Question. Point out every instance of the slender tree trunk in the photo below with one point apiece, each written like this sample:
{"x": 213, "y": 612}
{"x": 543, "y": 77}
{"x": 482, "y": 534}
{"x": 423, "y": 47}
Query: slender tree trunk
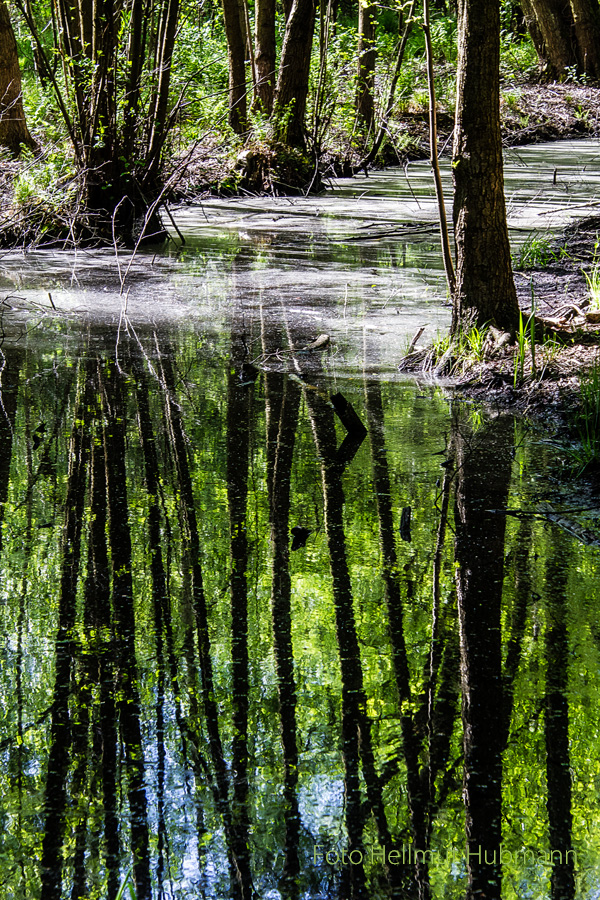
{"x": 433, "y": 151}
{"x": 534, "y": 30}
{"x": 97, "y": 597}
{"x": 56, "y": 800}
{"x": 367, "y": 54}
{"x": 9, "y": 388}
{"x": 265, "y": 53}
{"x": 13, "y": 127}
{"x": 416, "y": 787}
{"x": 356, "y": 722}
{"x": 284, "y": 395}
{"x": 523, "y": 598}
{"x": 191, "y": 537}
{"x": 239, "y": 406}
{"x": 160, "y": 106}
{"x": 389, "y": 106}
{"x": 485, "y": 290}
{"x": 349, "y": 653}
{"x": 236, "y": 49}
{"x": 124, "y": 623}
{"x": 292, "y": 81}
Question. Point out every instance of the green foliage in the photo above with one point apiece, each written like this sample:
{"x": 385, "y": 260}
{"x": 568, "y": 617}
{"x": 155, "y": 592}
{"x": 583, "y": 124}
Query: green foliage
{"x": 525, "y": 340}
{"x": 416, "y": 431}
{"x": 199, "y": 78}
{"x": 536, "y": 251}
{"x": 475, "y": 338}
{"x": 458, "y": 352}
{"x": 127, "y": 881}
{"x": 200, "y": 74}
{"x": 587, "y": 454}
{"x": 518, "y": 56}
{"x": 573, "y": 76}
{"x": 592, "y": 277}
{"x": 49, "y": 181}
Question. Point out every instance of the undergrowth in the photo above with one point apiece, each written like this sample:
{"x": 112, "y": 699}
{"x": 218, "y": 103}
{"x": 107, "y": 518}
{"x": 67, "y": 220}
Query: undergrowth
{"x": 586, "y": 454}
{"x": 536, "y": 252}
{"x": 593, "y": 277}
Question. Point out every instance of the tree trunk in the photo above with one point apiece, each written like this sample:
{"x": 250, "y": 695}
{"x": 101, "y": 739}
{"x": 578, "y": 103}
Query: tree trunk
{"x": 236, "y": 49}
{"x": 483, "y": 464}
{"x": 555, "y": 24}
{"x": 533, "y": 28}
{"x": 239, "y": 414}
{"x": 292, "y": 82}
{"x": 586, "y": 15}
{"x": 365, "y": 106}
{"x": 286, "y": 396}
{"x": 13, "y": 127}
{"x": 556, "y": 708}
{"x": 485, "y": 290}
{"x": 265, "y": 53}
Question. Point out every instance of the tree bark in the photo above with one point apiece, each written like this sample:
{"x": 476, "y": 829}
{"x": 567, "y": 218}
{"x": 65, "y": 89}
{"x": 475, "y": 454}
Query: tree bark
{"x": 292, "y": 81}
{"x": 586, "y": 16}
{"x": 236, "y": 50}
{"x": 239, "y": 413}
{"x": 365, "y": 105}
{"x": 485, "y": 290}
{"x": 533, "y": 28}
{"x": 287, "y": 401}
{"x": 555, "y": 24}
{"x": 13, "y": 127}
{"x": 265, "y": 53}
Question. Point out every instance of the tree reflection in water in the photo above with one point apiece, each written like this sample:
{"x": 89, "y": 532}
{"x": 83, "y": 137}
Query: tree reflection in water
{"x": 186, "y": 699}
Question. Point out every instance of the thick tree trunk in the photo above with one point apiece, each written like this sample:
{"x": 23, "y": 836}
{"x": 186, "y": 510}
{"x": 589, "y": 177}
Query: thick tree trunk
{"x": 265, "y": 53}
{"x": 586, "y": 15}
{"x": 236, "y": 49}
{"x": 365, "y": 105}
{"x": 292, "y": 81}
{"x": 485, "y": 290}
{"x": 533, "y": 28}
{"x": 13, "y": 127}
{"x": 555, "y": 24}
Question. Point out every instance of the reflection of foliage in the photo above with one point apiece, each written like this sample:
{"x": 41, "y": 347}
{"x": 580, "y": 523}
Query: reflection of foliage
{"x": 169, "y": 677}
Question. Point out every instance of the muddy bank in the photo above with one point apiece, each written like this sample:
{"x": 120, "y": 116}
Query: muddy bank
{"x": 547, "y": 387}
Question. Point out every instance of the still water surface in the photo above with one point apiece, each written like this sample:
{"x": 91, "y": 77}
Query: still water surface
{"x": 258, "y": 642}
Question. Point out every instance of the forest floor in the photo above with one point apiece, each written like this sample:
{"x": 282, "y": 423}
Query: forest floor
{"x": 531, "y": 113}
{"x": 567, "y": 336}
{"x": 567, "y": 342}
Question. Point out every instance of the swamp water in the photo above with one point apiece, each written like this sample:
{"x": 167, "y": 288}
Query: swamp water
{"x": 233, "y": 663}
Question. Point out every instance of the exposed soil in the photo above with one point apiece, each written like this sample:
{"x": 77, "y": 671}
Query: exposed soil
{"x": 532, "y": 113}
{"x": 567, "y": 337}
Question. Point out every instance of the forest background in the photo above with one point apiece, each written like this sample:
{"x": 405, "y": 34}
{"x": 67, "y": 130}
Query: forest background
{"x": 150, "y": 100}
